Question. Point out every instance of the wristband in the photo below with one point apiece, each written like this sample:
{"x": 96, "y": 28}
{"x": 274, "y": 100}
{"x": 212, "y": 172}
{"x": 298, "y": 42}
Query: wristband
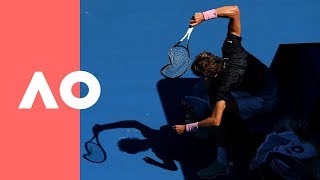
{"x": 192, "y": 127}
{"x": 210, "y": 14}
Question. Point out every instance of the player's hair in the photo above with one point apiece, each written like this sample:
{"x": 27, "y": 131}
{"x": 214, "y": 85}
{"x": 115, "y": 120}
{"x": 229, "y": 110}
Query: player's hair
{"x": 207, "y": 65}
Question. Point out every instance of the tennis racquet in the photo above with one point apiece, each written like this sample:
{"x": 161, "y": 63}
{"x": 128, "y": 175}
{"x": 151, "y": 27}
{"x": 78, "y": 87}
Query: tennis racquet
{"x": 95, "y": 152}
{"x": 179, "y": 57}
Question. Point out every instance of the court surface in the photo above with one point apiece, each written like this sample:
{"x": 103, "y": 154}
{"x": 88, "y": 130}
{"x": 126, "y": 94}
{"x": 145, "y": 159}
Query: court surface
{"x": 125, "y": 44}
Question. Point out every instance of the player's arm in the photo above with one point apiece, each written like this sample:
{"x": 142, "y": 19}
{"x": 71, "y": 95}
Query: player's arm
{"x": 213, "y": 120}
{"x": 145, "y": 130}
{"x": 216, "y": 115}
{"x": 231, "y": 12}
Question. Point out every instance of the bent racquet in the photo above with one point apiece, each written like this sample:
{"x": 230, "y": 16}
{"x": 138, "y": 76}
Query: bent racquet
{"x": 95, "y": 152}
{"x": 179, "y": 57}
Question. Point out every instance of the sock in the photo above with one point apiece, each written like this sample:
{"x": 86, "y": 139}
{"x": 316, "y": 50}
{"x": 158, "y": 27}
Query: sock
{"x": 222, "y": 156}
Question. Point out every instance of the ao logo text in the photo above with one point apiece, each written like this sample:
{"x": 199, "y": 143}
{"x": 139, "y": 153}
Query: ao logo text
{"x": 39, "y": 84}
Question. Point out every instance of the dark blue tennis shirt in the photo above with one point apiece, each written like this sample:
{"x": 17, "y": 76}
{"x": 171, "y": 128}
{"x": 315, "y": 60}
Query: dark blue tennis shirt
{"x": 242, "y": 71}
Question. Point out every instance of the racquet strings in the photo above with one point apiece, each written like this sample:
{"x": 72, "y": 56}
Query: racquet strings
{"x": 179, "y": 59}
{"x": 95, "y": 152}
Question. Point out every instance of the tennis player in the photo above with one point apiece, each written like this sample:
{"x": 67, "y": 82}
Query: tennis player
{"x": 237, "y": 75}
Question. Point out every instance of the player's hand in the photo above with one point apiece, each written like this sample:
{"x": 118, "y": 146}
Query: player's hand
{"x": 179, "y": 128}
{"x": 196, "y": 19}
{"x": 97, "y": 128}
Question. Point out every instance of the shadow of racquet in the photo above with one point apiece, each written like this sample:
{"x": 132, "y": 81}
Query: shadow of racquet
{"x": 95, "y": 152}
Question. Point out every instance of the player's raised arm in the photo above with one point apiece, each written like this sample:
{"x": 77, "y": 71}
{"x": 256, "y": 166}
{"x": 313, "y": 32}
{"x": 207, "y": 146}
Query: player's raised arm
{"x": 231, "y": 12}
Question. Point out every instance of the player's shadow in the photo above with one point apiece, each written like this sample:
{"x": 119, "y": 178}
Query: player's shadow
{"x": 167, "y": 146}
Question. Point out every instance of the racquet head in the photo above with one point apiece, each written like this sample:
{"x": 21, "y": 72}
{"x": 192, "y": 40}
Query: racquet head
{"x": 95, "y": 152}
{"x": 179, "y": 57}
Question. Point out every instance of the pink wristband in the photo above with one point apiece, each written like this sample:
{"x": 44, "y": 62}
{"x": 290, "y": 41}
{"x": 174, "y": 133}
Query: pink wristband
{"x": 210, "y": 14}
{"x": 193, "y": 127}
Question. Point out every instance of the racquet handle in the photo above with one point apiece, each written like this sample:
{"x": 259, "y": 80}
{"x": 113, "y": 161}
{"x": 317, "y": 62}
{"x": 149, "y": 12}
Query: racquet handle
{"x": 188, "y": 33}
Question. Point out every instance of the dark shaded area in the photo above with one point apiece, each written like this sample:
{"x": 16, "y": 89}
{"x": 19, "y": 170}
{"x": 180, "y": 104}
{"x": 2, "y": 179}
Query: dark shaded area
{"x": 297, "y": 70}
{"x": 297, "y": 67}
{"x": 171, "y": 92}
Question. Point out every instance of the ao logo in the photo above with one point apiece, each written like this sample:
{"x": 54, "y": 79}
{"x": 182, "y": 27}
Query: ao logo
{"x": 39, "y": 84}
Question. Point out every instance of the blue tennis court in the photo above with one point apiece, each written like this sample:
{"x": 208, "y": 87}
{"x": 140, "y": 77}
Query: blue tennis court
{"x": 124, "y": 44}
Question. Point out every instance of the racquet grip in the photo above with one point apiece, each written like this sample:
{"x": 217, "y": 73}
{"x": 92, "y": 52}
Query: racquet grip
{"x": 192, "y": 18}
